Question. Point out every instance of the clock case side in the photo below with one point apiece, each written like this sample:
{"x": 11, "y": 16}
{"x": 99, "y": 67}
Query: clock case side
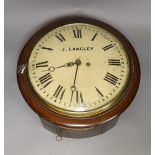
{"x": 78, "y": 133}
{"x": 99, "y": 122}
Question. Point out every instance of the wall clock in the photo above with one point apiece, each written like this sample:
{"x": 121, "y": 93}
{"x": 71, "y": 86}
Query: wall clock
{"x": 78, "y": 74}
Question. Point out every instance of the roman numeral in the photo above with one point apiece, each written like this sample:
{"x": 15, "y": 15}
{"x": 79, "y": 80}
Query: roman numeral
{"x": 98, "y": 91}
{"x": 77, "y": 33}
{"x": 107, "y": 47}
{"x": 79, "y": 97}
{"x": 47, "y": 48}
{"x": 111, "y": 78}
{"x": 94, "y": 37}
{"x": 115, "y": 62}
{"x": 42, "y": 64}
{"x": 60, "y": 37}
{"x": 46, "y": 79}
{"x": 59, "y": 92}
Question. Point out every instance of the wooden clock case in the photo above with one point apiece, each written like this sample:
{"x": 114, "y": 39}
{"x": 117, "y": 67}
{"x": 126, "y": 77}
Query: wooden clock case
{"x": 86, "y": 126}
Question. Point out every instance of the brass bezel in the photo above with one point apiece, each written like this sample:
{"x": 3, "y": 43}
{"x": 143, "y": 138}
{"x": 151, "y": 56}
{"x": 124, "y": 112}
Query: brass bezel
{"x": 87, "y": 113}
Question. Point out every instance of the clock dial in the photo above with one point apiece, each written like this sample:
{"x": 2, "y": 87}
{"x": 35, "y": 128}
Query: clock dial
{"x": 78, "y": 69}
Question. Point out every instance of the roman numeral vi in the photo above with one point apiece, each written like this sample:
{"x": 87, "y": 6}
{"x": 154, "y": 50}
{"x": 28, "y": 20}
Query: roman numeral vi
{"x": 79, "y": 97}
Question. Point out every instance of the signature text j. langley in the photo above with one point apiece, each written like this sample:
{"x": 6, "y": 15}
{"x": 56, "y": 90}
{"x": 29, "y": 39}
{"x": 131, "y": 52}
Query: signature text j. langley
{"x": 78, "y": 49}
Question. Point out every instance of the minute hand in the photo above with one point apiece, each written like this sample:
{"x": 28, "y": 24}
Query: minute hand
{"x": 77, "y": 66}
{"x": 73, "y": 87}
{"x": 78, "y": 63}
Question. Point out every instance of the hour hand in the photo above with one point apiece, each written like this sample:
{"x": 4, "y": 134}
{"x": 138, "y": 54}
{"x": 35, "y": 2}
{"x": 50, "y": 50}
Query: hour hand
{"x": 52, "y": 68}
{"x": 69, "y": 64}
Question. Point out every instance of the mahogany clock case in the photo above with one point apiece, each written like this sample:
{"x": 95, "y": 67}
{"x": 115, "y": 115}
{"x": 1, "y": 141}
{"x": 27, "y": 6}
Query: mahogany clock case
{"x": 66, "y": 121}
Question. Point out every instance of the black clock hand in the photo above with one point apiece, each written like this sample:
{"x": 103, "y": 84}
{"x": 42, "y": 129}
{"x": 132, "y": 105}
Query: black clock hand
{"x": 73, "y": 88}
{"x": 52, "y": 68}
{"x": 77, "y": 66}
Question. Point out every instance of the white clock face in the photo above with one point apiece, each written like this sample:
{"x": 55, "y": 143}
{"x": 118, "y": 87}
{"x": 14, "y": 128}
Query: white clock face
{"x": 78, "y": 69}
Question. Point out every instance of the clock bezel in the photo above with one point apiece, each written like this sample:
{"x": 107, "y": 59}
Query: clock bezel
{"x": 68, "y": 121}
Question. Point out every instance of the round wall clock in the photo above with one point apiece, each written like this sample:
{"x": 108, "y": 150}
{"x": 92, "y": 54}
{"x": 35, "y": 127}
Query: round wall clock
{"x": 78, "y": 74}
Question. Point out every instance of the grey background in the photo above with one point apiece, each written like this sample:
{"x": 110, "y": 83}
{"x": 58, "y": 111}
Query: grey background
{"x": 24, "y": 134}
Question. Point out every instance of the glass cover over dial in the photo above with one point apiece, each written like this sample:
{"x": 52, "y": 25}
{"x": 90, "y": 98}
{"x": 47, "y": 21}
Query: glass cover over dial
{"x": 78, "y": 70}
